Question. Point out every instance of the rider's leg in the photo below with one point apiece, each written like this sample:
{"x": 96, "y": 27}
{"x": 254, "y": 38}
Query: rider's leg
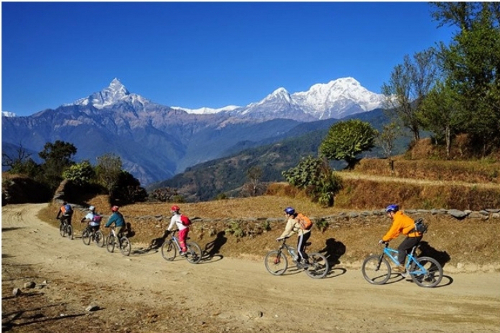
{"x": 182, "y": 239}
{"x": 301, "y": 244}
{"x": 405, "y": 247}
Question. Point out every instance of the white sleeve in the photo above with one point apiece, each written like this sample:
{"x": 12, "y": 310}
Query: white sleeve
{"x": 172, "y": 222}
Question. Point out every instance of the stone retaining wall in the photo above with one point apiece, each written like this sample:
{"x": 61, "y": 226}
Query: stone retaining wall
{"x": 484, "y": 214}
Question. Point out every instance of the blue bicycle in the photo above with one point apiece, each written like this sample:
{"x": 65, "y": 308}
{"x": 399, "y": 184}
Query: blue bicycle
{"x": 424, "y": 271}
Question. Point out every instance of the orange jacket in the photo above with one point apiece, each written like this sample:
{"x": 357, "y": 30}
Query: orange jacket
{"x": 401, "y": 224}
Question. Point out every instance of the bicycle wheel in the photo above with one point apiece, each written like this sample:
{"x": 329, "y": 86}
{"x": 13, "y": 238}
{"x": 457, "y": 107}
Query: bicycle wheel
{"x": 62, "y": 229}
{"x": 318, "y": 266}
{"x": 427, "y": 272}
{"x": 193, "y": 254}
{"x": 276, "y": 262}
{"x": 69, "y": 231}
{"x": 99, "y": 238}
{"x": 168, "y": 250}
{"x": 86, "y": 237}
{"x": 125, "y": 246}
{"x": 110, "y": 243}
{"x": 376, "y": 269}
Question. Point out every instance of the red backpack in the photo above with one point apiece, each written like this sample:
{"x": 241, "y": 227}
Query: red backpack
{"x": 185, "y": 220}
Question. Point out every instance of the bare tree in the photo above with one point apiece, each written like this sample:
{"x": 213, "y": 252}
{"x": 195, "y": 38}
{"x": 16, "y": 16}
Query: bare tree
{"x": 408, "y": 86}
{"x": 13, "y": 162}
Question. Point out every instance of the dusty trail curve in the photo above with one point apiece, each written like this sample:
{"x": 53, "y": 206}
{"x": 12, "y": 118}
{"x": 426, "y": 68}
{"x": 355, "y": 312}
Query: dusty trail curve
{"x": 144, "y": 293}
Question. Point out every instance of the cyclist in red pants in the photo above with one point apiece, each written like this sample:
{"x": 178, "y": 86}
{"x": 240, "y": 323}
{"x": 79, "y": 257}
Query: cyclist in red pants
{"x": 183, "y": 229}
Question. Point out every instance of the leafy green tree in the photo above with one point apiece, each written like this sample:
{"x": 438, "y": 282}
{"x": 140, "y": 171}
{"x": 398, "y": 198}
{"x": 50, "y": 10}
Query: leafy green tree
{"x": 127, "y": 189}
{"x": 80, "y": 174}
{"x": 108, "y": 170}
{"x": 471, "y": 64}
{"x": 317, "y": 178}
{"x": 346, "y": 139}
{"x": 410, "y": 82}
{"x": 57, "y": 157}
{"x": 305, "y": 173}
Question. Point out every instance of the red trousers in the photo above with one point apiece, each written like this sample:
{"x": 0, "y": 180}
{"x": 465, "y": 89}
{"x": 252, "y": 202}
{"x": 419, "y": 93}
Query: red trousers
{"x": 182, "y": 238}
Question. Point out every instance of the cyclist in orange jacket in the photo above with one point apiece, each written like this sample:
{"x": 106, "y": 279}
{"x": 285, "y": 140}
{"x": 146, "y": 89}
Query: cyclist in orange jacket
{"x": 401, "y": 224}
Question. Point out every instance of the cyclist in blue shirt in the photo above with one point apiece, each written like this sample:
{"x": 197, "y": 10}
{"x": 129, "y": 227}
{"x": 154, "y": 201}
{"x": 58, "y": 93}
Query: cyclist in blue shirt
{"x": 118, "y": 220}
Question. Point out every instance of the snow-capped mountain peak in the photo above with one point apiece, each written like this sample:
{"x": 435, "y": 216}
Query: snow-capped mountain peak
{"x": 8, "y": 114}
{"x": 114, "y": 93}
{"x": 337, "y": 98}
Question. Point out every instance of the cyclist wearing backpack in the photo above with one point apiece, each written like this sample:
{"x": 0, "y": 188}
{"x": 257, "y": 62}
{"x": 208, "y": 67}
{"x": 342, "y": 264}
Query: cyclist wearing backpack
{"x": 118, "y": 220}
{"x": 295, "y": 224}
{"x": 183, "y": 227}
{"x": 93, "y": 219}
{"x": 404, "y": 224}
{"x": 65, "y": 212}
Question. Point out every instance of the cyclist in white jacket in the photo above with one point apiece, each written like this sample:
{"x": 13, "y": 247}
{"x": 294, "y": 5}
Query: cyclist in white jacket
{"x": 183, "y": 229}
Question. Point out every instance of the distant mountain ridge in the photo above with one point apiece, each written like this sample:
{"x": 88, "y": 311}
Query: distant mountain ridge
{"x": 336, "y": 99}
{"x": 156, "y": 142}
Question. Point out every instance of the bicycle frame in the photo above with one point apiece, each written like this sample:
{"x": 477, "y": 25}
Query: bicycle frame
{"x": 276, "y": 261}
{"x": 192, "y": 255}
{"x": 392, "y": 254}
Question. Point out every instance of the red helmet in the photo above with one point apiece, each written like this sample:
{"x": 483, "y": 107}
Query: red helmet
{"x": 175, "y": 208}
{"x": 114, "y": 208}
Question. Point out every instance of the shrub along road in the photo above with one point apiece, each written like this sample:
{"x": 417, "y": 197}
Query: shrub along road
{"x": 143, "y": 293}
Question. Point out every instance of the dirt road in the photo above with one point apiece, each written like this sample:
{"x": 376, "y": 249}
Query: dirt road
{"x": 144, "y": 293}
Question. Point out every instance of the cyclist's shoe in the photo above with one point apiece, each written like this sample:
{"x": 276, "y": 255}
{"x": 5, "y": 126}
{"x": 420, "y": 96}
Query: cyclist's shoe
{"x": 399, "y": 269}
{"x": 183, "y": 254}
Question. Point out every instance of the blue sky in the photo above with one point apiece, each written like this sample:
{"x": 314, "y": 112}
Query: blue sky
{"x": 202, "y": 54}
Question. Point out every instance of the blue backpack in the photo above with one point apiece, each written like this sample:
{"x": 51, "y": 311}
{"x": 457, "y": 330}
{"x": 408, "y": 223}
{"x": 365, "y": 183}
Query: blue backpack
{"x": 68, "y": 210}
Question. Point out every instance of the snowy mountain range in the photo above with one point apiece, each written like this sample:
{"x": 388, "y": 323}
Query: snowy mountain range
{"x": 156, "y": 142}
{"x": 336, "y": 99}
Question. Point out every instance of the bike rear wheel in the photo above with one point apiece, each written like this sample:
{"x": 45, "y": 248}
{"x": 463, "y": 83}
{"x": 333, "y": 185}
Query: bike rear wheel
{"x": 168, "y": 250}
{"x": 99, "y": 238}
{"x": 376, "y": 269}
{"x": 69, "y": 231}
{"x": 318, "y": 266}
{"x": 86, "y": 237}
{"x": 193, "y": 254}
{"x": 428, "y": 274}
{"x": 276, "y": 262}
{"x": 125, "y": 247}
{"x": 110, "y": 243}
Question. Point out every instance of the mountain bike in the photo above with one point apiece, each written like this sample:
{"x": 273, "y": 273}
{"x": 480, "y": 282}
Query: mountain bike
{"x": 122, "y": 241}
{"x": 65, "y": 229}
{"x": 424, "y": 271}
{"x": 171, "y": 246}
{"x": 276, "y": 262}
{"x": 89, "y": 234}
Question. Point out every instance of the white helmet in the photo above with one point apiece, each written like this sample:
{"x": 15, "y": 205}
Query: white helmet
{"x": 92, "y": 208}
